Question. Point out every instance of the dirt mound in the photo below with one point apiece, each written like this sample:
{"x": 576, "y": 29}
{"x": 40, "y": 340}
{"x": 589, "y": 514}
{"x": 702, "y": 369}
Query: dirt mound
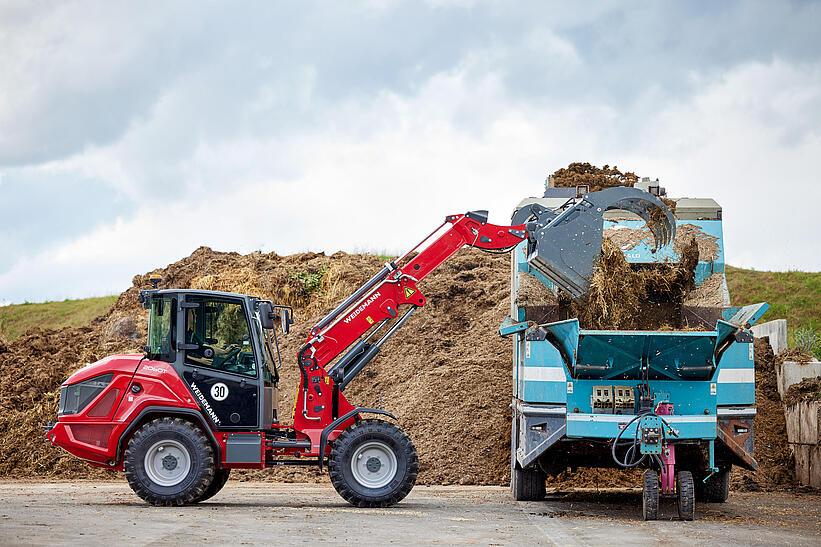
{"x": 447, "y": 378}
{"x": 769, "y": 429}
{"x": 709, "y": 294}
{"x": 807, "y": 390}
{"x": 795, "y": 355}
{"x": 628, "y": 239}
{"x": 597, "y": 178}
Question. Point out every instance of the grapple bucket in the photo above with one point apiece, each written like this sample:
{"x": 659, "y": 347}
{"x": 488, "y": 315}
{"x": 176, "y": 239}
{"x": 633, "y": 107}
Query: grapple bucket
{"x": 564, "y": 244}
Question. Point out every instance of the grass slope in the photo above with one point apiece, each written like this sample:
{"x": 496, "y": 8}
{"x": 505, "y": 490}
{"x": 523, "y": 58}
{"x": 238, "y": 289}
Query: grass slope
{"x": 19, "y": 318}
{"x": 794, "y": 296}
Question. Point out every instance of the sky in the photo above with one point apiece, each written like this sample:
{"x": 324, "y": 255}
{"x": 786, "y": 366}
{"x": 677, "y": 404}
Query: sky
{"x": 131, "y": 133}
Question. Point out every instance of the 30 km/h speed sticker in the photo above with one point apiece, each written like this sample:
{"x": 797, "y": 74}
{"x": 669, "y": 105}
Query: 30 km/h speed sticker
{"x": 219, "y": 391}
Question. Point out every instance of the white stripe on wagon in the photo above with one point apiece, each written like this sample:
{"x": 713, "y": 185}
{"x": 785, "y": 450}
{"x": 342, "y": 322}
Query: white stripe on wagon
{"x": 543, "y": 374}
{"x": 736, "y": 412}
{"x": 736, "y": 376}
{"x": 619, "y": 418}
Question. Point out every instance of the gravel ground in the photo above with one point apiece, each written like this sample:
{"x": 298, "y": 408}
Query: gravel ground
{"x": 96, "y": 513}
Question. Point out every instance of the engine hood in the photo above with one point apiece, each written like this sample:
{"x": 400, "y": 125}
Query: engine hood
{"x": 125, "y": 363}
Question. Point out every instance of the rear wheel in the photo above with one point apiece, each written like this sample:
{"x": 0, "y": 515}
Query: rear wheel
{"x": 373, "y": 464}
{"x": 169, "y": 461}
{"x": 527, "y": 484}
{"x": 650, "y": 495}
{"x": 716, "y": 489}
{"x": 220, "y": 478}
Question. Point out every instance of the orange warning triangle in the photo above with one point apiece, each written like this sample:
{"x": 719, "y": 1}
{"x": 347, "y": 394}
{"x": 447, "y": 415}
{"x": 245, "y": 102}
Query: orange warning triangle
{"x": 408, "y": 292}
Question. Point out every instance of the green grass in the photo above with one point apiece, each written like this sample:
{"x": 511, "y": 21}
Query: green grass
{"x": 16, "y": 319}
{"x": 794, "y": 296}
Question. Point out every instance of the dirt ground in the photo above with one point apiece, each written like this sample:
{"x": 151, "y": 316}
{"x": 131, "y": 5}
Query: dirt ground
{"x": 105, "y": 513}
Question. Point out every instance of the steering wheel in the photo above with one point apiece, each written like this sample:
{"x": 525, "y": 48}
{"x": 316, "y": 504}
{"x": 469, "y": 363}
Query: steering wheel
{"x": 233, "y": 352}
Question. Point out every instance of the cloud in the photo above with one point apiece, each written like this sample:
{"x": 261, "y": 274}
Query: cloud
{"x": 360, "y": 127}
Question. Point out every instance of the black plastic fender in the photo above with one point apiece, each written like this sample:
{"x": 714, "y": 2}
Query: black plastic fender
{"x": 323, "y": 438}
{"x": 169, "y": 411}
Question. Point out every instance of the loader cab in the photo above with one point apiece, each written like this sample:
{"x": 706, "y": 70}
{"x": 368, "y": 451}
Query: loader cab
{"x": 225, "y": 347}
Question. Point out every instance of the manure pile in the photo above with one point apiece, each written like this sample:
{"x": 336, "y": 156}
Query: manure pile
{"x": 446, "y": 375}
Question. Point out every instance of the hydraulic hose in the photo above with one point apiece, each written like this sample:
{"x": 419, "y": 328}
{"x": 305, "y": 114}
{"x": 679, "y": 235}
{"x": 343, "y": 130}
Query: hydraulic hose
{"x": 629, "y": 460}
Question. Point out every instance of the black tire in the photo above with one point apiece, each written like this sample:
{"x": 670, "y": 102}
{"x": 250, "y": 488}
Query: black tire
{"x": 527, "y": 484}
{"x": 190, "y": 438}
{"x": 716, "y": 489}
{"x": 686, "y": 495}
{"x": 220, "y": 478}
{"x": 650, "y": 496}
{"x": 381, "y": 440}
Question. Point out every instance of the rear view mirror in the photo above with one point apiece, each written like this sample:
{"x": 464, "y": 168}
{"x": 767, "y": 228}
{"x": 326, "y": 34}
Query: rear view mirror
{"x": 285, "y": 320}
{"x": 266, "y": 315}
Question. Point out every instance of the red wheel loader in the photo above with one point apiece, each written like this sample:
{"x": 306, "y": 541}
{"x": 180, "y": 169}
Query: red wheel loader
{"x": 202, "y": 400}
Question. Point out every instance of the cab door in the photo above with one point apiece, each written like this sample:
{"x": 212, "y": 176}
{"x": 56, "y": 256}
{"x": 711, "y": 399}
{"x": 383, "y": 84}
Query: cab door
{"x": 220, "y": 363}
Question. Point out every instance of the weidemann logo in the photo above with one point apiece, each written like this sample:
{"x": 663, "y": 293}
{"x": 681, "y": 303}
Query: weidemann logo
{"x": 205, "y": 405}
{"x": 362, "y": 307}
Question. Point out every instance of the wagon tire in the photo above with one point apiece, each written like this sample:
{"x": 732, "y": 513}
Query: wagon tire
{"x": 650, "y": 495}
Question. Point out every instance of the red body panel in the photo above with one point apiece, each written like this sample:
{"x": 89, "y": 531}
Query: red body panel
{"x": 93, "y": 435}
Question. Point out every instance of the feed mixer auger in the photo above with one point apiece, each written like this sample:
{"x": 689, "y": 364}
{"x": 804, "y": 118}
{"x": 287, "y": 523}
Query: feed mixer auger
{"x": 679, "y": 404}
{"x": 202, "y": 400}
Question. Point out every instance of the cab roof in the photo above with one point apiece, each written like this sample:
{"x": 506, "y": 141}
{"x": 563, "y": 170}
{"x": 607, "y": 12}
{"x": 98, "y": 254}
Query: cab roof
{"x": 198, "y": 292}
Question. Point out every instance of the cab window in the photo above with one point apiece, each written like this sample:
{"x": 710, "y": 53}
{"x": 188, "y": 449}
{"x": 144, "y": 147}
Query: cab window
{"x": 220, "y": 331}
{"x": 159, "y": 328}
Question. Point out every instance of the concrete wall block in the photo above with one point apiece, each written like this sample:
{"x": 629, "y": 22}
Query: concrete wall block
{"x": 808, "y": 465}
{"x": 804, "y": 423}
{"x": 804, "y": 436}
{"x": 776, "y": 330}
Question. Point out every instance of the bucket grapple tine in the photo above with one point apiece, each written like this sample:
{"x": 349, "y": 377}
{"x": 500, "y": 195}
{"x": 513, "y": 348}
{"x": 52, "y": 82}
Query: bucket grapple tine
{"x": 651, "y": 209}
{"x": 564, "y": 246}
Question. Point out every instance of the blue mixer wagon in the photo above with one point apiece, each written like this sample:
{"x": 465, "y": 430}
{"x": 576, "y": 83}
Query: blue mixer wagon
{"x": 680, "y": 403}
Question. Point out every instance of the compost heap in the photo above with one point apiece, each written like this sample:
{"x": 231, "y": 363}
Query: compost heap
{"x": 446, "y": 376}
{"x": 769, "y": 429}
{"x": 597, "y": 178}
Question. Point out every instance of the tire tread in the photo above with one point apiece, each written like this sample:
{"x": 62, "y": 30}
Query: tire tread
{"x": 192, "y": 494}
{"x": 345, "y": 443}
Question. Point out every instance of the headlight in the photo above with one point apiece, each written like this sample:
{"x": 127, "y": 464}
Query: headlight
{"x": 74, "y": 398}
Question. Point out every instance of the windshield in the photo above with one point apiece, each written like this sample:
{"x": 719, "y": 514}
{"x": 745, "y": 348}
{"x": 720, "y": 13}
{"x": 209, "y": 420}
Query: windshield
{"x": 159, "y": 328}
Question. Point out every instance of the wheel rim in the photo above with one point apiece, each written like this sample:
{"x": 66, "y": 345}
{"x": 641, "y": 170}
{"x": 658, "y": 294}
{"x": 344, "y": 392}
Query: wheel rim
{"x": 167, "y": 463}
{"x": 374, "y": 464}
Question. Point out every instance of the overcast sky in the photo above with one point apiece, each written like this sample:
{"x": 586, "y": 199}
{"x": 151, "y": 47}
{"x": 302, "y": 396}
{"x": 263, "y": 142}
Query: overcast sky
{"x": 131, "y": 133}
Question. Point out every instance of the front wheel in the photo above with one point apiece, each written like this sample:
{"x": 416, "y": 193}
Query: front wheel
{"x": 650, "y": 495}
{"x": 686, "y": 495}
{"x": 373, "y": 464}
